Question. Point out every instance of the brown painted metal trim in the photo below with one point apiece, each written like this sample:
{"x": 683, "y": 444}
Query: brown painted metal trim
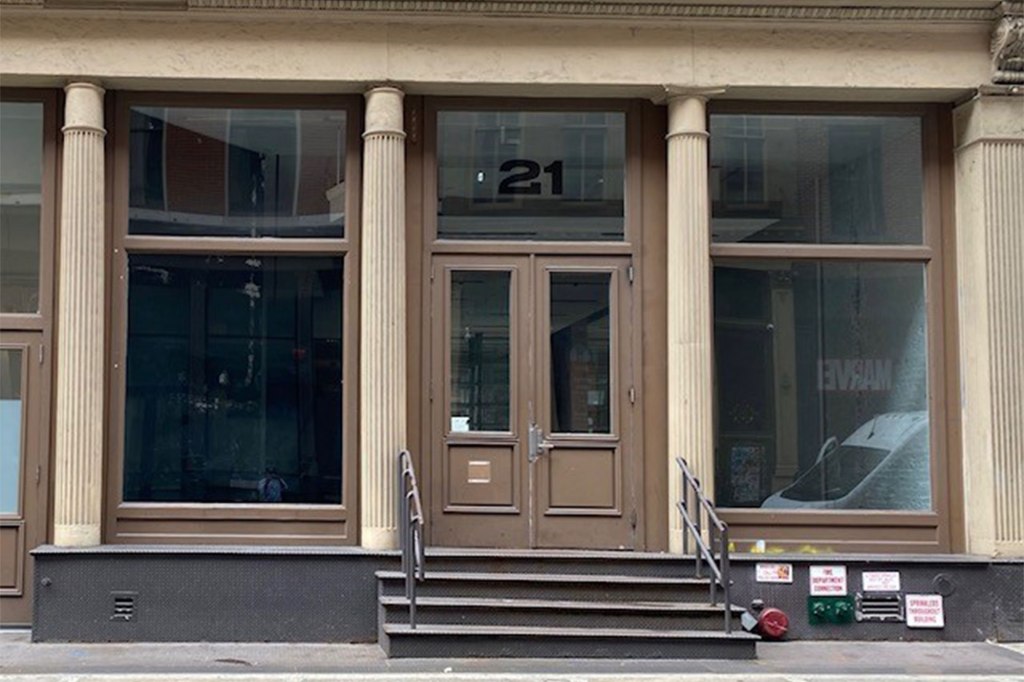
{"x": 822, "y": 252}
{"x": 230, "y": 245}
{"x": 653, "y": 327}
{"x": 946, "y": 164}
{"x": 232, "y": 523}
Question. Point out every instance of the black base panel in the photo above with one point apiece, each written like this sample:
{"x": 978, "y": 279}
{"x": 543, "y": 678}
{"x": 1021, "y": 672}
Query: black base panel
{"x": 253, "y": 594}
{"x": 240, "y": 597}
{"x": 983, "y": 600}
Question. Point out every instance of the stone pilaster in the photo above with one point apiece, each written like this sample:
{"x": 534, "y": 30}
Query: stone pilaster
{"x": 990, "y": 288}
{"x": 382, "y": 326}
{"x": 689, "y": 302}
{"x": 78, "y": 475}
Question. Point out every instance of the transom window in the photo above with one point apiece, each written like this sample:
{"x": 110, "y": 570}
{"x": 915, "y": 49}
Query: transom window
{"x": 531, "y": 175}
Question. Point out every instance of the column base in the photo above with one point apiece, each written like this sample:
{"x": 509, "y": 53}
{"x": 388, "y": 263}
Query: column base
{"x": 378, "y": 538}
{"x": 76, "y": 535}
{"x": 675, "y": 540}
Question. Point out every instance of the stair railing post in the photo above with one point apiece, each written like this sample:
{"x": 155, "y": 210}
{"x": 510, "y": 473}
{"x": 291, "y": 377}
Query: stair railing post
{"x": 685, "y": 488}
{"x": 727, "y": 600}
{"x": 696, "y": 519}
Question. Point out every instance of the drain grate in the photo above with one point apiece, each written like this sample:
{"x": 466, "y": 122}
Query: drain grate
{"x": 124, "y": 606}
{"x": 879, "y": 607}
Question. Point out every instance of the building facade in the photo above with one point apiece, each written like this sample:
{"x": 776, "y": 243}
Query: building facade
{"x": 253, "y": 249}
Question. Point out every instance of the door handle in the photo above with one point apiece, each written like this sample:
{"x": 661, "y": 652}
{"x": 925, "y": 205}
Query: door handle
{"x": 537, "y": 445}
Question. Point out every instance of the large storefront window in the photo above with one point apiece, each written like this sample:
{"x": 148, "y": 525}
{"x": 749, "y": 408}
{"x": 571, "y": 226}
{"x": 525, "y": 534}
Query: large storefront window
{"x": 234, "y": 379}
{"x": 821, "y": 354}
{"x": 238, "y": 268}
{"x": 528, "y": 175}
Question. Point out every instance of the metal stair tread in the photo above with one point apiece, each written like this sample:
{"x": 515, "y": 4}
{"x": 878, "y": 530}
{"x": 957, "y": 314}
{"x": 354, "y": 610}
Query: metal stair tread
{"x": 392, "y": 629}
{"x": 549, "y": 578}
{"x": 561, "y": 604}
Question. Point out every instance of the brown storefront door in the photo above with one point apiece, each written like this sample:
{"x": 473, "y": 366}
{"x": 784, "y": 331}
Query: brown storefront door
{"x": 532, "y": 403}
{"x": 22, "y": 469}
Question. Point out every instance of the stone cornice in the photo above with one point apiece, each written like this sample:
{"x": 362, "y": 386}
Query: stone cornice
{"x": 968, "y": 11}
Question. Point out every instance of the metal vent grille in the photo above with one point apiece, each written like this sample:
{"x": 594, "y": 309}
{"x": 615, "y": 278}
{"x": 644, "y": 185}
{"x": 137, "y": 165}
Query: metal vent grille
{"x": 124, "y": 606}
{"x": 879, "y": 607}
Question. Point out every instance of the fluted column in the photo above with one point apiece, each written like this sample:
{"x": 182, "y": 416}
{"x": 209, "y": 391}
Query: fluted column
{"x": 990, "y": 288}
{"x": 382, "y": 327}
{"x": 78, "y": 475}
{"x": 689, "y": 302}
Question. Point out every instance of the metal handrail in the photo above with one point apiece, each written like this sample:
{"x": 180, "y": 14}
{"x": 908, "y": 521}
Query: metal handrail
{"x": 410, "y": 531}
{"x": 704, "y": 551}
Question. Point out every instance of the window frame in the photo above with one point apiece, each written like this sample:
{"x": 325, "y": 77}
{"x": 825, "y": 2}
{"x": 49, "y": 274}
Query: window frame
{"x": 859, "y": 530}
{"x": 219, "y": 522}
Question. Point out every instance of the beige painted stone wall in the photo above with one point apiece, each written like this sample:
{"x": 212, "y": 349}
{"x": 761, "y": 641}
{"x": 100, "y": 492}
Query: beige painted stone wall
{"x": 911, "y": 61}
{"x": 990, "y": 285}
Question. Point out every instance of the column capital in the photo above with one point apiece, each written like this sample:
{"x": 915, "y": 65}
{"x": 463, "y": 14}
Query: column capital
{"x": 991, "y": 116}
{"x": 670, "y": 92}
{"x": 384, "y": 114}
{"x": 83, "y": 107}
{"x": 687, "y": 116}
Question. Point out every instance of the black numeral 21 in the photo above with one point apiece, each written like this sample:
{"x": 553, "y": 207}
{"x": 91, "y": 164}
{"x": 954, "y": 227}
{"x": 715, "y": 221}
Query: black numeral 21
{"x": 525, "y": 181}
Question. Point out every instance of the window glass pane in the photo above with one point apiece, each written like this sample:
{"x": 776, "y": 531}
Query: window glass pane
{"x": 520, "y": 175}
{"x": 480, "y": 351}
{"x": 816, "y": 179}
{"x": 580, "y": 352}
{"x": 234, "y": 389}
{"x": 822, "y": 385}
{"x": 11, "y": 408}
{"x": 237, "y": 172}
{"x": 21, "y": 186}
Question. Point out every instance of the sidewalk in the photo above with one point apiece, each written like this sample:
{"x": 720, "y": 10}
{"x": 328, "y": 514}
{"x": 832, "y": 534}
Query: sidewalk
{"x": 247, "y": 662}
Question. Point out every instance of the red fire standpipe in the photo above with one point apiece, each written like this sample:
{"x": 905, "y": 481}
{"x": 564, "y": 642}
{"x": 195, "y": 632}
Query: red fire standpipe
{"x": 772, "y": 623}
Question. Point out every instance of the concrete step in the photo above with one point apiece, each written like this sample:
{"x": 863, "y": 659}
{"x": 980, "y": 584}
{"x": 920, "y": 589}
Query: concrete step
{"x": 476, "y": 641}
{"x": 565, "y": 586}
{"x": 560, "y": 561}
{"x": 558, "y": 613}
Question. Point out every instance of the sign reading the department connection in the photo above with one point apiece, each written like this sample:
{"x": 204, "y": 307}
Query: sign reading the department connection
{"x": 925, "y": 611}
{"x": 775, "y": 573}
{"x": 828, "y": 581}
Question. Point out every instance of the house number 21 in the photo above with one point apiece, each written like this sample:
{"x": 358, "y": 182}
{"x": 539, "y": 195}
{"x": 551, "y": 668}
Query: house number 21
{"x": 523, "y": 177}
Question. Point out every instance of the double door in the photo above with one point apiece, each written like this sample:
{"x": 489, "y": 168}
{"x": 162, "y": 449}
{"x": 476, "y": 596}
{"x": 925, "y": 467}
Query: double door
{"x": 533, "y": 402}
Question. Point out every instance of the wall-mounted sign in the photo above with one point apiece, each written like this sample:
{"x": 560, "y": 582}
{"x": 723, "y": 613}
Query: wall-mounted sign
{"x": 774, "y": 573}
{"x": 881, "y": 581}
{"x": 925, "y": 611}
{"x": 828, "y": 581}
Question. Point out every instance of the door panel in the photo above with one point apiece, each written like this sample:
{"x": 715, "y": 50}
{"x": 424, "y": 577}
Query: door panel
{"x": 22, "y": 464}
{"x": 480, "y": 311}
{"x": 583, "y": 380}
{"x": 530, "y": 373}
